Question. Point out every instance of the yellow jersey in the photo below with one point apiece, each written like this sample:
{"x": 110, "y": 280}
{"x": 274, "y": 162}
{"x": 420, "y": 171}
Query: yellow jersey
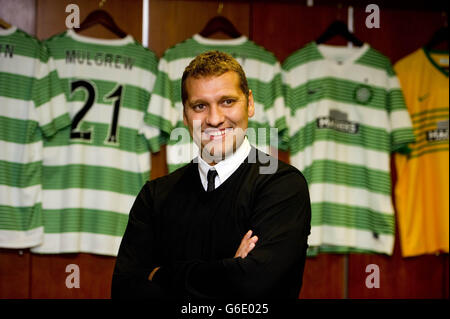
{"x": 422, "y": 189}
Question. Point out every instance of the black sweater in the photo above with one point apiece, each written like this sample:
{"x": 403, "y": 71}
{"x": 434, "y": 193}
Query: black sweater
{"x": 193, "y": 235}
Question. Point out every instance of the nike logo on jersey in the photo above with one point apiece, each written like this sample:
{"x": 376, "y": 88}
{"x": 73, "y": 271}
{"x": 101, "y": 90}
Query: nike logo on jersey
{"x": 313, "y": 90}
{"x": 423, "y": 97}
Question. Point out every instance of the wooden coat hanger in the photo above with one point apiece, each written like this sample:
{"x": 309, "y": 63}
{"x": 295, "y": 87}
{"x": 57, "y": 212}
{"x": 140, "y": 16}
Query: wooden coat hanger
{"x": 104, "y": 18}
{"x": 4, "y": 24}
{"x": 220, "y": 24}
{"x": 338, "y": 27}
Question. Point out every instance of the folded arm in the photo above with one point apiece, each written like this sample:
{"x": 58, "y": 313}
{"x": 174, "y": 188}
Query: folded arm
{"x": 280, "y": 219}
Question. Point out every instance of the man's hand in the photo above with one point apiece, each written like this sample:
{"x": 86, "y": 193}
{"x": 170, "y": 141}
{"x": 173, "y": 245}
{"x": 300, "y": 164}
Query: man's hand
{"x": 247, "y": 244}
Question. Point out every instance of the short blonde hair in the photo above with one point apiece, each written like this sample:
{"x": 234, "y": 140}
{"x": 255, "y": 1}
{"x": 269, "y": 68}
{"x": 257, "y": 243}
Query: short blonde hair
{"x": 212, "y": 63}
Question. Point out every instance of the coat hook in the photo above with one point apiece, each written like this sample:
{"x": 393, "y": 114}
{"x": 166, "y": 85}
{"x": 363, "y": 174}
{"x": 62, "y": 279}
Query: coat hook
{"x": 220, "y": 8}
{"x": 102, "y": 2}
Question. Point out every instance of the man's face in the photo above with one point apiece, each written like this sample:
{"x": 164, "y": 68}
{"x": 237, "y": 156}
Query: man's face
{"x": 216, "y": 112}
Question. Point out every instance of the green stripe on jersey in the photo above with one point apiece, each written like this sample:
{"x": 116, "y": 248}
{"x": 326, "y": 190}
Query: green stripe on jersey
{"x": 309, "y": 53}
{"x": 360, "y": 218}
{"x": 368, "y": 137}
{"x": 128, "y": 139}
{"x": 93, "y": 177}
{"x": 20, "y": 218}
{"x": 20, "y": 175}
{"x": 190, "y": 48}
{"x": 16, "y": 86}
{"x": 19, "y": 131}
{"x": 22, "y": 44}
{"x": 357, "y": 176}
{"x": 335, "y": 89}
{"x": 45, "y": 89}
{"x": 374, "y": 59}
{"x": 84, "y": 220}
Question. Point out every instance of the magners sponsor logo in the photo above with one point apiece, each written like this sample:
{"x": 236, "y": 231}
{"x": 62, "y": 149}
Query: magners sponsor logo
{"x": 438, "y": 134}
{"x": 337, "y": 121}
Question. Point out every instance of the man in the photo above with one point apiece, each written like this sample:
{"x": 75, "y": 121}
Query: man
{"x": 217, "y": 227}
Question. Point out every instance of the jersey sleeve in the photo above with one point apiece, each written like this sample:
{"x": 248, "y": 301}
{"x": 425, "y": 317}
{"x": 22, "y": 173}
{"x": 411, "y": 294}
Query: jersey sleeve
{"x": 149, "y": 129}
{"x": 279, "y": 112}
{"x": 275, "y": 107}
{"x": 161, "y": 112}
{"x": 48, "y": 96}
{"x": 400, "y": 121}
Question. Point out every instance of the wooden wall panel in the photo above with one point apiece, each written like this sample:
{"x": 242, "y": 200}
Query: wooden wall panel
{"x": 285, "y": 27}
{"x": 400, "y": 278}
{"x": 15, "y": 273}
{"x": 48, "y": 276}
{"x": 445, "y": 282}
{"x": 174, "y": 21}
{"x": 324, "y": 277}
{"x": 51, "y": 17}
{"x": 401, "y": 31}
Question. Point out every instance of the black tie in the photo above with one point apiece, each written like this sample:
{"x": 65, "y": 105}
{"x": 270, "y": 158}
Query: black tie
{"x": 211, "y": 177}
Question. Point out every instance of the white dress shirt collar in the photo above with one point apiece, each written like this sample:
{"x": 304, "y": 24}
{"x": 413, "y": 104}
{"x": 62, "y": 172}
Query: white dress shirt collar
{"x": 226, "y": 167}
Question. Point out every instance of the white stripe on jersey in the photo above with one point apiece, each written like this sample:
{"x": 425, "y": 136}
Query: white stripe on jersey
{"x": 79, "y": 242}
{"x": 17, "y": 109}
{"x": 347, "y": 237}
{"x": 96, "y": 156}
{"x": 351, "y": 196}
{"x": 21, "y": 153}
{"x": 87, "y": 198}
{"x": 20, "y": 197}
{"x": 344, "y": 153}
{"x": 400, "y": 119}
{"x": 14, "y": 239}
{"x": 23, "y": 65}
{"x": 162, "y": 107}
{"x": 51, "y": 110}
{"x": 356, "y": 72}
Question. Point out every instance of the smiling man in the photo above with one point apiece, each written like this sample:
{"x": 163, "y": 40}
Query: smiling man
{"x": 217, "y": 227}
{"x": 217, "y": 110}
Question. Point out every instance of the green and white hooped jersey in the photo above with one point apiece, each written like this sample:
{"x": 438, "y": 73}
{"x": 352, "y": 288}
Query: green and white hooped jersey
{"x": 94, "y": 169}
{"x": 263, "y": 73}
{"x": 32, "y": 106}
{"x": 347, "y": 115}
